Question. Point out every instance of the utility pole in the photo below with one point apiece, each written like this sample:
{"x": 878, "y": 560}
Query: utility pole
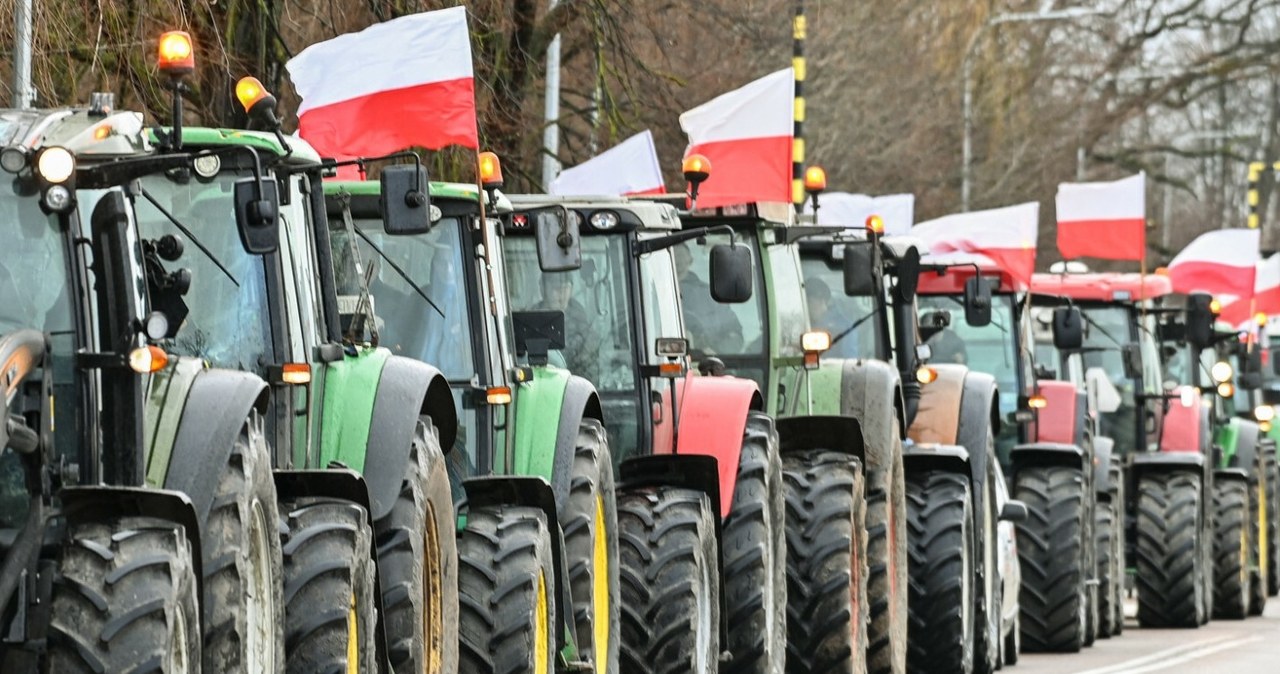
{"x": 799, "y": 29}
{"x": 22, "y": 92}
{"x": 551, "y": 132}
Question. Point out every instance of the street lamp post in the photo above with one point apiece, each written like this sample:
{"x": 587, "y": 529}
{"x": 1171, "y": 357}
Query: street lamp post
{"x": 966, "y": 168}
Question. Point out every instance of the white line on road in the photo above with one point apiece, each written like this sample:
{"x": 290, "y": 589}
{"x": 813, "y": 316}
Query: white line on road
{"x": 1193, "y": 655}
{"x": 1124, "y": 667}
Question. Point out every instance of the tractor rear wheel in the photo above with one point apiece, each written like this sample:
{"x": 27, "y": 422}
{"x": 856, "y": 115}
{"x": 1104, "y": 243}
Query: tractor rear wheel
{"x": 417, "y": 563}
{"x": 506, "y": 592}
{"x": 1272, "y": 562}
{"x": 988, "y": 614}
{"x": 244, "y": 610}
{"x": 589, "y": 518}
{"x": 330, "y": 615}
{"x": 125, "y": 599}
{"x": 940, "y": 521}
{"x": 1119, "y": 546}
{"x": 1108, "y": 580}
{"x": 1258, "y": 539}
{"x": 827, "y": 573}
{"x": 1172, "y": 566}
{"x": 668, "y": 562}
{"x": 1231, "y": 549}
{"x": 1054, "y": 600}
{"x": 887, "y": 560}
{"x": 755, "y": 555}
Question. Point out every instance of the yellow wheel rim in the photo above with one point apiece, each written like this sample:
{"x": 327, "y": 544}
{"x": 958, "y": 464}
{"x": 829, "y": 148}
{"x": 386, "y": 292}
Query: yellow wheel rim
{"x": 353, "y": 638}
{"x": 1244, "y": 554}
{"x": 541, "y": 628}
{"x": 600, "y": 589}
{"x": 1264, "y": 542}
{"x": 433, "y": 601}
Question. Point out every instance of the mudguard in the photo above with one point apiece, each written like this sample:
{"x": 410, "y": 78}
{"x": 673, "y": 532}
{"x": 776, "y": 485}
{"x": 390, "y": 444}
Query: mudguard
{"x": 1053, "y": 453}
{"x": 979, "y": 417}
{"x": 533, "y": 492}
{"x": 1103, "y": 448}
{"x": 580, "y": 402}
{"x": 1246, "y": 454}
{"x": 922, "y": 456}
{"x": 871, "y": 392}
{"x": 1147, "y": 461}
{"x": 94, "y": 504}
{"x": 712, "y": 422}
{"x": 1231, "y": 474}
{"x": 938, "y": 417}
{"x": 406, "y": 389}
{"x": 217, "y": 405}
{"x": 838, "y": 434}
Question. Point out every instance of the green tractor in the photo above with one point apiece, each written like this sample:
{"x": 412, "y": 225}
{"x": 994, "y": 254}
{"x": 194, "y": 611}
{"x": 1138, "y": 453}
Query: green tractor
{"x": 531, "y": 467}
{"x": 133, "y": 482}
{"x": 692, "y": 450}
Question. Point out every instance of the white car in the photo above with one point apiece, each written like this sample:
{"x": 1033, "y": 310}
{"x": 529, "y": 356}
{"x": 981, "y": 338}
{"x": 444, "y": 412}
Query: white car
{"x": 1011, "y": 511}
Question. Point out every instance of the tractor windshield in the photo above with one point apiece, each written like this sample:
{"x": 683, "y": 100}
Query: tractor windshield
{"x": 850, "y": 320}
{"x": 1107, "y": 332}
{"x": 228, "y": 322}
{"x": 734, "y": 333}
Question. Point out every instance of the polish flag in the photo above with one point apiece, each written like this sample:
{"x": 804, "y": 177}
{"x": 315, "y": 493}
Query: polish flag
{"x": 1007, "y": 236}
{"x": 1103, "y": 220}
{"x": 746, "y": 134}
{"x": 628, "y": 168}
{"x": 1266, "y": 294}
{"x": 394, "y": 85}
{"x": 842, "y": 209}
{"x": 1221, "y": 262}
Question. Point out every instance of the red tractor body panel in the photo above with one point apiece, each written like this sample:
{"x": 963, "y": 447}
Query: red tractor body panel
{"x": 1102, "y": 287}
{"x": 1056, "y": 423}
{"x": 1181, "y": 431}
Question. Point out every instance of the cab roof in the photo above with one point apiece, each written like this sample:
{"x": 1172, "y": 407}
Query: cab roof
{"x": 946, "y": 274}
{"x": 1102, "y": 287}
{"x": 633, "y": 214}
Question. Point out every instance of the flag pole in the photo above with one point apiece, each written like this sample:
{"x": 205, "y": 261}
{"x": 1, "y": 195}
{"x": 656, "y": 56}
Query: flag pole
{"x": 799, "y": 29}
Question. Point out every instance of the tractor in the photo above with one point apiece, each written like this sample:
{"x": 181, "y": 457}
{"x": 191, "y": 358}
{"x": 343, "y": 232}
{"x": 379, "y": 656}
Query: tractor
{"x": 531, "y": 466}
{"x": 949, "y": 460}
{"x": 692, "y": 450}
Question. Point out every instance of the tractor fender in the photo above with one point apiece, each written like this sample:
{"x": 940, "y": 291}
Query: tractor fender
{"x": 1152, "y": 461}
{"x": 1103, "y": 450}
{"x": 94, "y": 504}
{"x": 1230, "y": 474}
{"x": 533, "y": 492}
{"x": 979, "y": 419}
{"x": 406, "y": 389}
{"x": 871, "y": 392}
{"x": 920, "y": 457}
{"x": 1185, "y": 429}
{"x": 938, "y": 415}
{"x": 712, "y": 422}
{"x": 833, "y": 433}
{"x": 216, "y": 406}
{"x": 580, "y": 402}
{"x": 1047, "y": 453}
{"x": 1062, "y": 422}
{"x": 1246, "y": 445}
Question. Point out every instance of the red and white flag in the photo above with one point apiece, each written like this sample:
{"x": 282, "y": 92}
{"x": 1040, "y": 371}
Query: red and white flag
{"x": 1007, "y": 236}
{"x": 403, "y": 83}
{"x": 842, "y": 209}
{"x": 1221, "y": 262}
{"x": 746, "y": 134}
{"x": 1265, "y": 298}
{"x": 1103, "y": 220}
{"x": 630, "y": 167}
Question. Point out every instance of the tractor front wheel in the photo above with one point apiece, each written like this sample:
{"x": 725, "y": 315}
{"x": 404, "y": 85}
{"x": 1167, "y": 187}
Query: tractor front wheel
{"x": 940, "y": 521}
{"x": 1172, "y": 566}
{"x": 887, "y": 560}
{"x": 1054, "y": 600}
{"x": 1231, "y": 525}
{"x": 589, "y": 518}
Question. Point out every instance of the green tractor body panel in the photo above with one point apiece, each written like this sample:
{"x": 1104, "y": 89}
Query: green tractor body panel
{"x": 205, "y": 136}
{"x": 166, "y": 399}
{"x": 824, "y": 391}
{"x": 373, "y": 188}
{"x": 350, "y": 387}
{"x": 1227, "y": 436}
{"x": 538, "y": 404}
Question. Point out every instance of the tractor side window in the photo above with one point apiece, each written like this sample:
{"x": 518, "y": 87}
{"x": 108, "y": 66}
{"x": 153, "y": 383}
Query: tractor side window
{"x": 848, "y": 319}
{"x": 660, "y": 299}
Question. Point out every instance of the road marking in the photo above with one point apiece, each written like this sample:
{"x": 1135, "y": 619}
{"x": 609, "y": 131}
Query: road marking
{"x": 1194, "y": 655}
{"x": 1124, "y": 667}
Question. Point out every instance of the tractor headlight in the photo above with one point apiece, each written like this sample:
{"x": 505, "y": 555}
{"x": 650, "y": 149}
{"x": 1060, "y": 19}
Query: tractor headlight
{"x": 1221, "y": 371}
{"x": 55, "y": 164}
{"x": 57, "y": 198}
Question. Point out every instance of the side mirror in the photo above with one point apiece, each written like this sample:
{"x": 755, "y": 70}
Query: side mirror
{"x": 405, "y": 202}
{"x": 731, "y": 272}
{"x": 559, "y": 242}
{"x": 257, "y": 219}
{"x": 1068, "y": 329}
{"x": 1250, "y": 381}
{"x": 1199, "y": 321}
{"x": 977, "y": 302}
{"x": 1106, "y": 396}
{"x": 859, "y": 277}
{"x": 1013, "y": 511}
{"x": 537, "y": 333}
{"x": 908, "y": 273}
{"x": 1131, "y": 356}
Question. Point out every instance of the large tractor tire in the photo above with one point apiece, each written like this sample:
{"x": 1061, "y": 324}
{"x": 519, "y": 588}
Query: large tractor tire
{"x": 1258, "y": 540}
{"x": 827, "y": 610}
{"x": 1054, "y": 600}
{"x": 940, "y": 521}
{"x": 125, "y": 600}
{"x": 1231, "y": 525}
{"x": 1110, "y": 575}
{"x": 1119, "y": 544}
{"x": 506, "y": 592}
{"x": 755, "y": 555}
{"x": 670, "y": 590}
{"x": 887, "y": 561}
{"x": 244, "y": 611}
{"x": 1272, "y": 562}
{"x": 330, "y": 618}
{"x": 590, "y": 521}
{"x": 417, "y": 563}
{"x": 987, "y": 614}
{"x": 1172, "y": 568}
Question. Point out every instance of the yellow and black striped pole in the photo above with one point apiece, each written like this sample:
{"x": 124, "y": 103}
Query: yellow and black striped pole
{"x": 1257, "y": 170}
{"x": 798, "y": 30}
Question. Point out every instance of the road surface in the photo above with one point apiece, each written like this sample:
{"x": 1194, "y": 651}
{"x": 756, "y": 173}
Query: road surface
{"x": 1221, "y": 647}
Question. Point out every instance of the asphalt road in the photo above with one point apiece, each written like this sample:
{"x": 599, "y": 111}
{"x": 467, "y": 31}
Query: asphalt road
{"x": 1221, "y": 647}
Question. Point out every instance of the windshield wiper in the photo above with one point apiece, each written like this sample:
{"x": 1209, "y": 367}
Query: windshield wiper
{"x": 399, "y": 271}
{"x": 1101, "y": 329}
{"x": 855, "y": 325}
{"x": 190, "y": 235}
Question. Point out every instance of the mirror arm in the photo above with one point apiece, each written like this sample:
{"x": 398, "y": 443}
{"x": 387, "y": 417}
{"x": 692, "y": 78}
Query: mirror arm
{"x": 669, "y": 240}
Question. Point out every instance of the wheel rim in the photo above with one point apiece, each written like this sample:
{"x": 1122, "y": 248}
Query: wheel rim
{"x": 600, "y": 589}
{"x": 1244, "y": 561}
{"x": 433, "y": 599}
{"x": 181, "y": 657}
{"x": 261, "y": 613}
{"x": 1264, "y": 540}
{"x": 541, "y": 628}
{"x": 704, "y": 627}
{"x": 353, "y": 638}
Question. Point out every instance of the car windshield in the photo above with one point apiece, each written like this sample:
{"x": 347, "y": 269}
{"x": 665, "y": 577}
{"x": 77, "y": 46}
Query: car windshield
{"x": 228, "y": 322}
{"x": 421, "y": 313}
{"x": 849, "y": 319}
